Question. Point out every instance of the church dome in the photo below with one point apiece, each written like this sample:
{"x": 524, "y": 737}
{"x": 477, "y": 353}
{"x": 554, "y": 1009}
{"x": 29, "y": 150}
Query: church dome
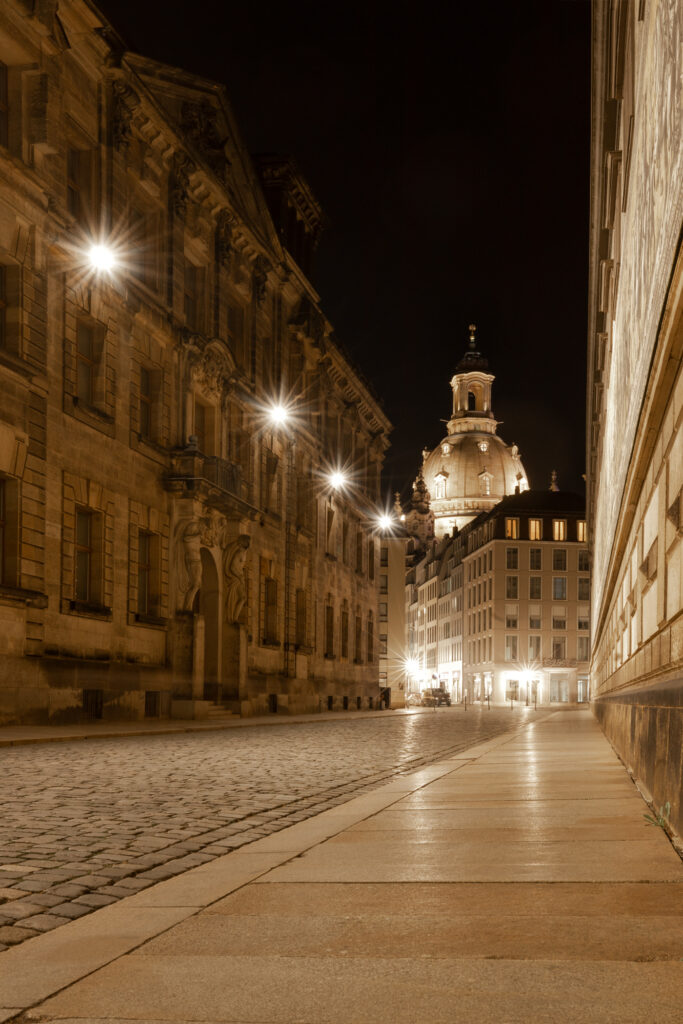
{"x": 472, "y": 468}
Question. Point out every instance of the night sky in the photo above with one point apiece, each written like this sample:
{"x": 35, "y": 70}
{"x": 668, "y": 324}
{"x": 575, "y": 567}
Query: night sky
{"x": 449, "y": 147}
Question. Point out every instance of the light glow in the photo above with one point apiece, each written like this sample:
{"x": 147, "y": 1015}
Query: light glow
{"x": 102, "y": 258}
{"x": 337, "y": 479}
{"x": 278, "y": 414}
{"x": 385, "y": 522}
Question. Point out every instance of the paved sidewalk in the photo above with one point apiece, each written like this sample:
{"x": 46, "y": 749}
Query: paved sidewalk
{"x": 516, "y": 882}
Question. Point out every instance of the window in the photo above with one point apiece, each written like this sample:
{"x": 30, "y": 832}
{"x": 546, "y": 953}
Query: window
{"x": 535, "y": 616}
{"x": 383, "y": 641}
{"x": 511, "y": 616}
{"x": 583, "y": 617}
{"x": 8, "y": 545}
{"x": 86, "y": 362}
{"x": 4, "y": 105}
{"x": 535, "y": 529}
{"x": 559, "y": 648}
{"x": 511, "y": 689}
{"x": 204, "y": 427}
{"x": 79, "y": 185}
{"x": 535, "y": 559}
{"x": 559, "y": 529}
{"x": 145, "y": 412}
{"x": 559, "y": 588}
{"x": 87, "y": 582}
{"x": 383, "y": 610}
{"x": 535, "y": 588}
{"x": 581, "y": 534}
{"x": 512, "y": 558}
{"x": 584, "y": 560}
{"x": 148, "y": 573}
{"x": 583, "y": 648}
{"x": 270, "y": 610}
{"x": 371, "y": 559}
{"x": 345, "y": 632}
{"x": 440, "y": 487}
{"x": 329, "y": 631}
{"x": 512, "y": 586}
{"x": 511, "y": 528}
{"x": 193, "y": 296}
{"x": 384, "y": 556}
{"x": 584, "y": 590}
{"x": 511, "y": 648}
{"x": 300, "y": 621}
{"x": 370, "y": 640}
{"x": 237, "y": 334}
{"x": 383, "y": 584}
{"x": 3, "y": 306}
{"x": 534, "y": 648}
{"x": 559, "y": 559}
{"x": 145, "y": 240}
{"x": 559, "y": 617}
{"x": 359, "y": 551}
{"x": 358, "y": 657}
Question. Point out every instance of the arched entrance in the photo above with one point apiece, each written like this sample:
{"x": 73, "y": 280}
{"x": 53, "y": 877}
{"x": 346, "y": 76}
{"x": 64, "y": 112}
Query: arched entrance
{"x": 207, "y": 603}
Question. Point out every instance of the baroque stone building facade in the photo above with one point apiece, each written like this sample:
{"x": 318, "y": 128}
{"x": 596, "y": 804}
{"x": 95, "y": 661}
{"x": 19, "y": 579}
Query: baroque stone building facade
{"x": 635, "y": 388}
{"x": 165, "y": 542}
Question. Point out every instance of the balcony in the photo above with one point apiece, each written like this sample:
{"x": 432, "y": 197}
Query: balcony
{"x": 209, "y": 477}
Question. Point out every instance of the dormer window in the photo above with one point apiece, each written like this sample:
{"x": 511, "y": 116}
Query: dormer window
{"x": 440, "y": 486}
{"x": 483, "y": 446}
{"x": 446, "y": 448}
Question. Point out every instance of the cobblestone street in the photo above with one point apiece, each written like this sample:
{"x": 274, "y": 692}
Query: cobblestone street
{"x": 88, "y": 823}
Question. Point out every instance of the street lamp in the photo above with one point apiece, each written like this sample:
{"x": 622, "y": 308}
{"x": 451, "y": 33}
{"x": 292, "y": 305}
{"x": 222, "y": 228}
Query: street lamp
{"x": 102, "y": 258}
{"x": 278, "y": 415}
{"x": 337, "y": 479}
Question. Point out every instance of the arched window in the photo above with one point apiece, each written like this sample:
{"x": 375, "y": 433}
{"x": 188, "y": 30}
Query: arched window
{"x": 471, "y": 401}
{"x": 440, "y": 486}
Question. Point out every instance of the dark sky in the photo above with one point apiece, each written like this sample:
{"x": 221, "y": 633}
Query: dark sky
{"x": 448, "y": 145}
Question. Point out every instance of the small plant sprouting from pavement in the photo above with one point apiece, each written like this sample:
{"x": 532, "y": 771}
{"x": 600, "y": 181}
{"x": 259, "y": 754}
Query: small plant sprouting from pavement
{"x": 662, "y": 818}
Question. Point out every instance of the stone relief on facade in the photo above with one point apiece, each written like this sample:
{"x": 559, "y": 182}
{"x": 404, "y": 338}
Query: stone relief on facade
{"x": 188, "y": 562}
{"x": 234, "y": 562}
{"x": 179, "y": 183}
{"x": 124, "y": 100}
{"x": 260, "y": 279}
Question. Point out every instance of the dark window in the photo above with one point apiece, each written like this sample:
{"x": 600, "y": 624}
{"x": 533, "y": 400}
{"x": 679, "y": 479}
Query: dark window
{"x": 535, "y": 557}
{"x": 3, "y": 307}
{"x": 270, "y": 611}
{"x": 584, "y": 588}
{"x": 329, "y": 631}
{"x": 79, "y": 184}
{"x": 145, "y": 573}
{"x": 345, "y": 703}
{"x": 4, "y": 106}
{"x": 192, "y": 296}
{"x": 3, "y": 532}
{"x": 84, "y": 555}
{"x": 86, "y": 362}
{"x": 344, "y": 633}
{"x": 145, "y": 402}
{"x": 359, "y": 637}
{"x": 152, "y": 703}
{"x": 584, "y": 560}
{"x": 559, "y": 559}
{"x": 371, "y": 559}
{"x": 330, "y": 703}
{"x": 272, "y": 703}
{"x": 93, "y": 703}
{"x": 370, "y": 640}
{"x": 300, "y": 626}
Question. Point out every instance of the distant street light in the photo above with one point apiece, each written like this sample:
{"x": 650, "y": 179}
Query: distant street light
{"x": 385, "y": 522}
{"x": 278, "y": 415}
{"x": 337, "y": 479}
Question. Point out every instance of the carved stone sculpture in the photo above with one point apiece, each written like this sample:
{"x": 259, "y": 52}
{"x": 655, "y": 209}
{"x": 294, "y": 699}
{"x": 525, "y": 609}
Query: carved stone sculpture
{"x": 235, "y": 588}
{"x": 189, "y": 563}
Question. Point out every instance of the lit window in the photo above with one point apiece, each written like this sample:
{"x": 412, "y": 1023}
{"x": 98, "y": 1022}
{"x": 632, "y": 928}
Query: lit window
{"x": 559, "y": 588}
{"x": 581, "y": 531}
{"x": 559, "y": 529}
{"x": 535, "y": 529}
{"x": 440, "y": 486}
{"x": 446, "y": 448}
{"x": 511, "y": 648}
{"x": 511, "y": 528}
{"x": 511, "y": 616}
{"x": 534, "y": 648}
{"x": 559, "y": 617}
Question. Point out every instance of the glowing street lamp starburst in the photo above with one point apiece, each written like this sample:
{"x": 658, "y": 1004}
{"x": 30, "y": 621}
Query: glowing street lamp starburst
{"x": 102, "y": 258}
{"x": 278, "y": 415}
{"x": 337, "y": 479}
{"x": 385, "y": 521}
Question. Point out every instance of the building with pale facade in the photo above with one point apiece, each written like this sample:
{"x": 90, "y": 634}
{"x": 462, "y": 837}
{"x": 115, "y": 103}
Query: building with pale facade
{"x": 635, "y": 389}
{"x": 166, "y": 544}
{"x": 471, "y": 468}
{"x": 501, "y": 610}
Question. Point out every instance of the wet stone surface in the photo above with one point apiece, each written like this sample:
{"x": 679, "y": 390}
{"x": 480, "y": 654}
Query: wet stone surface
{"x": 86, "y": 824}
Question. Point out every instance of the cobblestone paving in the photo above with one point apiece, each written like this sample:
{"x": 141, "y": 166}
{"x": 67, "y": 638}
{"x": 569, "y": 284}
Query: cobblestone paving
{"x": 86, "y": 823}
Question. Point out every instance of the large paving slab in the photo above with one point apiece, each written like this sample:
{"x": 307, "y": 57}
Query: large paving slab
{"x": 411, "y": 904}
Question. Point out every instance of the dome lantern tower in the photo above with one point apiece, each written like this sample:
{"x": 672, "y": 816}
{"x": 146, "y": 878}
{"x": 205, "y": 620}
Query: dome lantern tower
{"x": 472, "y": 468}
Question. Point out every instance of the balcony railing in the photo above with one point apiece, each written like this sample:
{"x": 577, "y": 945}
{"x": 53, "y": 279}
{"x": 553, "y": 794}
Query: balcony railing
{"x": 192, "y": 469}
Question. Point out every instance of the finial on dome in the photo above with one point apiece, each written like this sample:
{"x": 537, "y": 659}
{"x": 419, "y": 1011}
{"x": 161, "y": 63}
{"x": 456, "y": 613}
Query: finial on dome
{"x": 473, "y": 337}
{"x": 398, "y": 507}
{"x": 553, "y": 481}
